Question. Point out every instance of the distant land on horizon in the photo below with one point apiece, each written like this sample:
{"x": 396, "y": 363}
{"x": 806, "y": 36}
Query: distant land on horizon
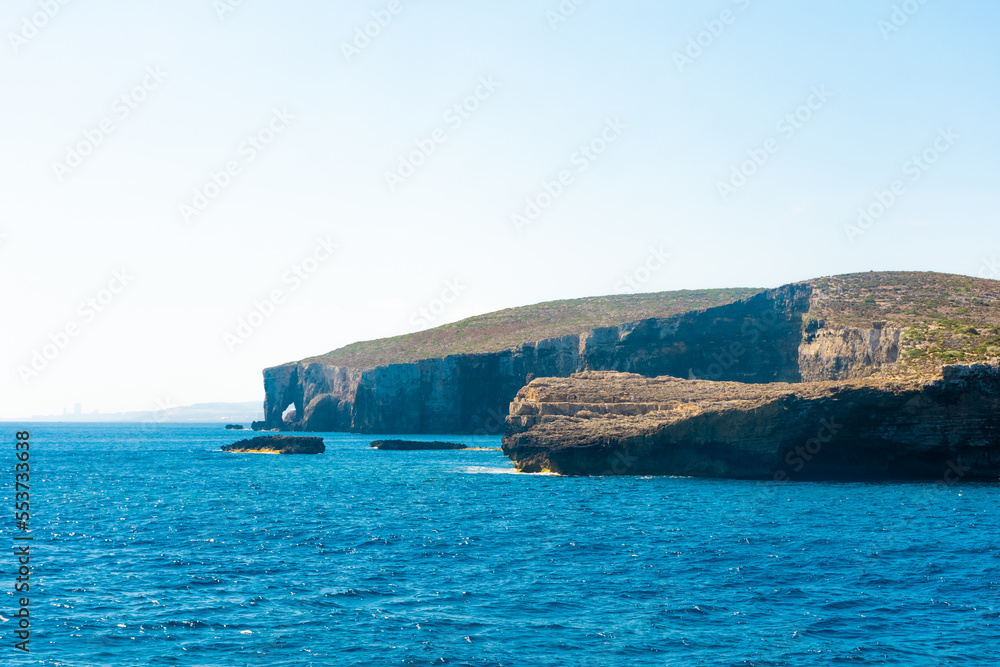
{"x": 230, "y": 413}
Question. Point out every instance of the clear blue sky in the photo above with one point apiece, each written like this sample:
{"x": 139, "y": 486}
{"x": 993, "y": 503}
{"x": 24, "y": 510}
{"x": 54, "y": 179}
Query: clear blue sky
{"x": 672, "y": 131}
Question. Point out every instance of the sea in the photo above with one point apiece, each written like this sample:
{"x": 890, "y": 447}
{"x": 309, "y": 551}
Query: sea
{"x": 150, "y": 546}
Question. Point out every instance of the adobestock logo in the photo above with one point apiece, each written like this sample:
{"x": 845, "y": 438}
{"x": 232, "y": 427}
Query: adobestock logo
{"x": 32, "y": 25}
{"x": 87, "y": 312}
{"x": 698, "y": 43}
{"x": 802, "y": 454}
{"x": 914, "y": 168}
{"x": 990, "y": 268}
{"x": 787, "y": 126}
{"x": 157, "y": 417}
{"x": 901, "y": 15}
{"x": 454, "y": 117}
{"x": 727, "y": 356}
{"x": 121, "y": 109}
{"x": 562, "y": 13}
{"x": 363, "y": 35}
{"x": 225, "y": 7}
{"x": 620, "y": 464}
{"x": 585, "y": 155}
{"x": 249, "y": 149}
{"x": 493, "y": 423}
{"x": 427, "y": 315}
{"x": 634, "y": 280}
{"x": 265, "y": 308}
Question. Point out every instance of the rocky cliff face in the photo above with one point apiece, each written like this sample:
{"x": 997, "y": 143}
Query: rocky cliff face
{"x": 753, "y": 340}
{"x": 843, "y": 352}
{"x": 942, "y": 429}
{"x": 769, "y": 337}
{"x": 457, "y": 394}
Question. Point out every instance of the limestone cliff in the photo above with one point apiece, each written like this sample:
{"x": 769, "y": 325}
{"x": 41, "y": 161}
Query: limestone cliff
{"x": 842, "y": 327}
{"x": 844, "y": 352}
{"x": 752, "y": 340}
{"x": 943, "y": 428}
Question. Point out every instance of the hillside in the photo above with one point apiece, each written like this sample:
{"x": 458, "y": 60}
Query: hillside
{"x": 945, "y": 318}
{"x": 506, "y": 329}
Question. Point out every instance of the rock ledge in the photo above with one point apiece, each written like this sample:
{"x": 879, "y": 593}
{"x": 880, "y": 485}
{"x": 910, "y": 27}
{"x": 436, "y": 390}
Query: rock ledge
{"x": 605, "y": 423}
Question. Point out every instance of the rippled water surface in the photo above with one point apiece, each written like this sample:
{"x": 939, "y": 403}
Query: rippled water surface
{"x": 152, "y": 547}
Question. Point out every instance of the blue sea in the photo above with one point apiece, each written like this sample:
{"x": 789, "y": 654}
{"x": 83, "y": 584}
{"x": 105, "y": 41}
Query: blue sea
{"x": 152, "y": 547}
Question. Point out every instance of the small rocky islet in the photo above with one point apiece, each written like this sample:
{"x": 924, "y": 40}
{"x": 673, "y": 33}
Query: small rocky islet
{"x": 278, "y": 444}
{"x": 415, "y": 445}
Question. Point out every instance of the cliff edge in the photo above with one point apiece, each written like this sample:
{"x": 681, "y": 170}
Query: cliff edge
{"x": 462, "y": 377}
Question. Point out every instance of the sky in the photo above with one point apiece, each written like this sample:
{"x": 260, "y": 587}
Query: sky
{"x": 194, "y": 190}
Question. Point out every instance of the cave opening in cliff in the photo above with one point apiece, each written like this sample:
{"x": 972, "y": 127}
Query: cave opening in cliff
{"x": 289, "y": 414}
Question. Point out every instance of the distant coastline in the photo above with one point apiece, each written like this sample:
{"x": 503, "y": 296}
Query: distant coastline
{"x": 244, "y": 412}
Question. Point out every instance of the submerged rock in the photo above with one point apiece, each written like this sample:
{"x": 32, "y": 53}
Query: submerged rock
{"x": 415, "y": 445}
{"x": 278, "y": 444}
{"x": 943, "y": 428}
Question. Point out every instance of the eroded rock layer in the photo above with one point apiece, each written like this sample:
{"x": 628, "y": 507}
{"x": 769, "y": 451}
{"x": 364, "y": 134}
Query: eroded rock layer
{"x": 598, "y": 423}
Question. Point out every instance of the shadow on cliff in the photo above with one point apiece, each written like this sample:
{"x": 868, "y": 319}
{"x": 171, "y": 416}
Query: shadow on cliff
{"x": 754, "y": 340}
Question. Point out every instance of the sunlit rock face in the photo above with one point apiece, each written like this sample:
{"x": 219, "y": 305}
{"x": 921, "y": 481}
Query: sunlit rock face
{"x": 944, "y": 428}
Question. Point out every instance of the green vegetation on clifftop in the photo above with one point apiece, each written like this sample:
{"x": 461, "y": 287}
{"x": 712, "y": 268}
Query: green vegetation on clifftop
{"x": 945, "y": 318}
{"x": 506, "y": 329}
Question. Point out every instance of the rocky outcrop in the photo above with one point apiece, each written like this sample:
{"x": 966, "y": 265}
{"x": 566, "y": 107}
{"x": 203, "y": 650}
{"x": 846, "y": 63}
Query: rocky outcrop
{"x": 414, "y": 445}
{"x": 840, "y": 353}
{"x": 942, "y": 428}
{"x": 752, "y": 340}
{"x": 278, "y": 444}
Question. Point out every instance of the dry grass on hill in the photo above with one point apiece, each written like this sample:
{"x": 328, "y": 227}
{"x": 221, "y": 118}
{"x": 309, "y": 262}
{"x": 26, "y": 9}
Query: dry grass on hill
{"x": 506, "y": 329}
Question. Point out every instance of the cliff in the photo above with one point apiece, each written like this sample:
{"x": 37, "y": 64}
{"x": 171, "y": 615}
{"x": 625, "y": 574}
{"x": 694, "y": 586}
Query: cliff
{"x": 890, "y": 324}
{"x": 600, "y": 423}
{"x": 470, "y": 393}
{"x": 461, "y": 377}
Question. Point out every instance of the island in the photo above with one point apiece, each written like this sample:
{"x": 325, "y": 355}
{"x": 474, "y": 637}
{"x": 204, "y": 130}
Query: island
{"x": 406, "y": 445}
{"x": 278, "y": 444}
{"x": 874, "y": 375}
